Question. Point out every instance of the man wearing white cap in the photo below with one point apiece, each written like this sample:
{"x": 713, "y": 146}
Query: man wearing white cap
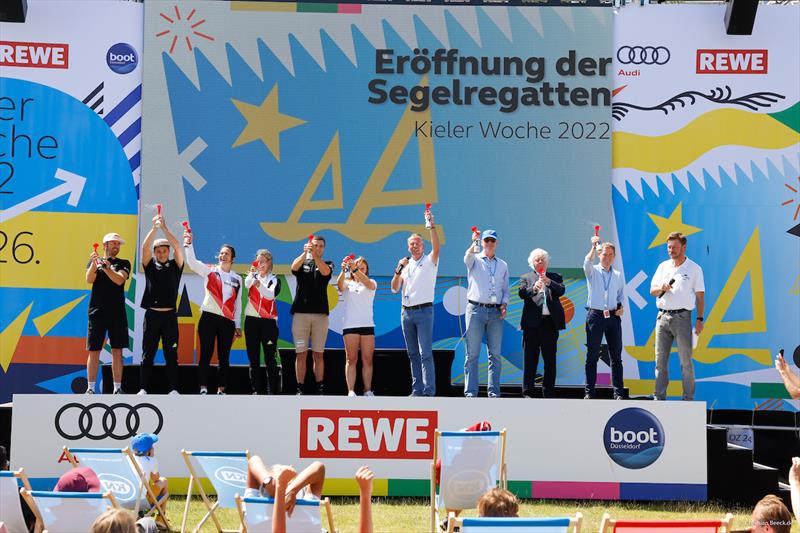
{"x": 107, "y": 316}
{"x": 162, "y": 279}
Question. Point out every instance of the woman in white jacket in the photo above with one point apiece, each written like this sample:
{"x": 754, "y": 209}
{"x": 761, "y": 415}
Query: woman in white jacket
{"x": 220, "y": 319}
{"x": 261, "y": 322}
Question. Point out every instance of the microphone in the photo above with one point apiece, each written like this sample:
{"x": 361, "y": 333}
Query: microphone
{"x": 671, "y": 282}
{"x": 401, "y": 267}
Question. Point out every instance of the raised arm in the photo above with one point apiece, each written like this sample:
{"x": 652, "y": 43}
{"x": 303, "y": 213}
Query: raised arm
{"x": 340, "y": 278}
{"x": 363, "y": 278}
{"x": 177, "y": 249}
{"x": 790, "y": 380}
{"x": 197, "y": 266}
{"x": 364, "y": 479}
{"x": 434, "y": 242}
{"x": 147, "y": 244}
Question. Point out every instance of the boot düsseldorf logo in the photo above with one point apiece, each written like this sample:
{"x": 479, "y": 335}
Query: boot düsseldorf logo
{"x": 634, "y": 438}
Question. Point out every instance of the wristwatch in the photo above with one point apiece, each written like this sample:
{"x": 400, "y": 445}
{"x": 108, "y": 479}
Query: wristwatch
{"x": 700, "y": 318}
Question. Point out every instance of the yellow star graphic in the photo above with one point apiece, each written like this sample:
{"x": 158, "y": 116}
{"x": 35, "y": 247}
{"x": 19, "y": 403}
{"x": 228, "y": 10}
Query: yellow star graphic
{"x": 668, "y": 225}
{"x": 265, "y": 123}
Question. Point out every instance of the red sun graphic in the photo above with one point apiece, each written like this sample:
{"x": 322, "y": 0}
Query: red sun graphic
{"x": 182, "y": 28}
{"x": 793, "y": 200}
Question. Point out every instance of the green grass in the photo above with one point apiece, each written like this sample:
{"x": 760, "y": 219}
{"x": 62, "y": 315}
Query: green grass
{"x": 413, "y": 515}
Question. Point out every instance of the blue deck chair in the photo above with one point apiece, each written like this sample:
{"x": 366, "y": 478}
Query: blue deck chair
{"x": 120, "y": 474}
{"x": 68, "y": 512}
{"x": 472, "y": 463}
{"x": 515, "y": 525}
{"x": 227, "y": 473}
{"x": 256, "y": 515}
{"x": 11, "y": 515}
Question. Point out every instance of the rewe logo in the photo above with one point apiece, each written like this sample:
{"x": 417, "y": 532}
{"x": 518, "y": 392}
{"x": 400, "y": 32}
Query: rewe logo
{"x": 732, "y": 61}
{"x": 37, "y": 55}
{"x": 231, "y": 476}
{"x": 122, "y": 58}
{"x": 367, "y": 434}
{"x": 634, "y": 438}
{"x": 120, "y": 486}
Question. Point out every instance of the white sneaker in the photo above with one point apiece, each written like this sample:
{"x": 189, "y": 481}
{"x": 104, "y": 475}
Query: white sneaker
{"x": 203, "y": 391}
{"x": 352, "y": 393}
{"x": 89, "y": 391}
{"x": 220, "y": 393}
{"x": 141, "y": 392}
{"x": 369, "y": 393}
{"x": 173, "y": 392}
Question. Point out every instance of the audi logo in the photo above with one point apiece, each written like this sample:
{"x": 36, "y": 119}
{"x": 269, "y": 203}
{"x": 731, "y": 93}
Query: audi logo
{"x": 98, "y": 421}
{"x": 643, "y": 55}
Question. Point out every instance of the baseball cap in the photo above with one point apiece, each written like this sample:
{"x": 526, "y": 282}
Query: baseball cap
{"x": 113, "y": 237}
{"x": 79, "y": 479}
{"x": 160, "y": 242}
{"x": 142, "y": 442}
{"x": 489, "y": 234}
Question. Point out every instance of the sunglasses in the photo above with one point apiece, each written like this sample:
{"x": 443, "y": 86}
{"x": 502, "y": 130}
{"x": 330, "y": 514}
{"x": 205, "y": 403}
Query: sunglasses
{"x": 489, "y": 239}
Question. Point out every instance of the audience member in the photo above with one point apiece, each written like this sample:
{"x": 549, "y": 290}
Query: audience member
{"x": 143, "y": 446}
{"x": 498, "y": 502}
{"x": 790, "y": 380}
{"x": 78, "y": 479}
{"x": 114, "y": 521}
{"x": 771, "y": 515}
{"x": 364, "y": 479}
{"x": 794, "y": 484}
{"x": 261, "y": 482}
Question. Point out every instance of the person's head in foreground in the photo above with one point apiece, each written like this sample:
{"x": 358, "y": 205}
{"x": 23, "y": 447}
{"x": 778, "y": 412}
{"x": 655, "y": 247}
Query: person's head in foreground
{"x": 498, "y": 502}
{"x": 114, "y": 521}
{"x": 770, "y": 514}
{"x": 78, "y": 479}
{"x": 142, "y": 444}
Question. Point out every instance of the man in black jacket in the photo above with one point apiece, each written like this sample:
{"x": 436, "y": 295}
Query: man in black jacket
{"x": 542, "y": 318}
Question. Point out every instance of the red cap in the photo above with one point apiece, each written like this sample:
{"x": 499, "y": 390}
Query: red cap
{"x": 80, "y": 479}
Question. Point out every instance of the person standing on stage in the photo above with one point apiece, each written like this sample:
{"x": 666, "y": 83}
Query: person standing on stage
{"x": 107, "y": 315}
{"x": 220, "y": 317}
{"x": 310, "y": 310}
{"x": 162, "y": 278}
{"x": 604, "y": 310}
{"x": 487, "y": 296}
{"x": 261, "y": 322}
{"x": 542, "y": 318}
{"x": 358, "y": 291}
{"x": 415, "y": 278}
{"x": 678, "y": 287}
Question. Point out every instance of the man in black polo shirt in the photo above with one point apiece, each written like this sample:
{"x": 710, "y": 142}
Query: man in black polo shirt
{"x": 310, "y": 310}
{"x": 162, "y": 277}
{"x": 107, "y": 309}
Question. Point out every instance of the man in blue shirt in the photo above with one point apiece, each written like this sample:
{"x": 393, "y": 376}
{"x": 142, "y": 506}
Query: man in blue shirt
{"x": 487, "y": 295}
{"x": 603, "y": 316}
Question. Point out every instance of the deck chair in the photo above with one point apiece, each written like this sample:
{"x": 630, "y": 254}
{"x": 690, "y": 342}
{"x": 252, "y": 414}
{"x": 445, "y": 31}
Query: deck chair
{"x": 120, "y": 474}
{"x": 12, "y": 516}
{"x": 68, "y": 512}
{"x": 256, "y": 515}
{"x": 227, "y": 473}
{"x": 610, "y": 525}
{"x": 473, "y": 462}
{"x": 515, "y": 525}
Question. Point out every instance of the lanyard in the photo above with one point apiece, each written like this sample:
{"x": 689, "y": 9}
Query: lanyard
{"x": 491, "y": 271}
{"x": 606, "y": 284}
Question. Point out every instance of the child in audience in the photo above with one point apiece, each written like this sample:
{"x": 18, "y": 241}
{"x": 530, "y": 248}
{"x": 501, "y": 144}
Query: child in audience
{"x": 498, "y": 502}
{"x": 143, "y": 446}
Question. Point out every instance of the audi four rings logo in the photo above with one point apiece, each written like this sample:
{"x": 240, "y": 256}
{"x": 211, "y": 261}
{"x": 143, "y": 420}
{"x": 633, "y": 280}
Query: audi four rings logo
{"x": 643, "y": 55}
{"x": 98, "y": 421}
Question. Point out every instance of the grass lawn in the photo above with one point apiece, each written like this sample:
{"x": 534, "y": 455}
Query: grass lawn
{"x": 412, "y": 514}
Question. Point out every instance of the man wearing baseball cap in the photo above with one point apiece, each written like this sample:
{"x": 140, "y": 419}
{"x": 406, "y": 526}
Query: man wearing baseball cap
{"x": 143, "y": 449}
{"x": 107, "y": 316}
{"x": 162, "y": 278}
{"x": 78, "y": 479}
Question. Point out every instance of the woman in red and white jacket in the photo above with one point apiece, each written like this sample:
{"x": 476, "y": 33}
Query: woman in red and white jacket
{"x": 220, "y": 320}
{"x": 261, "y": 322}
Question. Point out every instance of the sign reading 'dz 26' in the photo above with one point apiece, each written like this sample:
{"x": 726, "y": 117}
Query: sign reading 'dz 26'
{"x": 367, "y": 434}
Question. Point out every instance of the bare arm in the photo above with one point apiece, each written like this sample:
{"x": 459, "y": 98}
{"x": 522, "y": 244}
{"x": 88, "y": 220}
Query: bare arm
{"x": 700, "y": 299}
{"x": 790, "y": 380}
{"x": 363, "y": 278}
{"x": 340, "y": 278}
{"x": 118, "y": 277}
{"x": 397, "y": 279}
{"x": 147, "y": 244}
{"x": 282, "y": 475}
{"x": 91, "y": 271}
{"x": 434, "y": 243}
{"x": 794, "y": 484}
{"x": 364, "y": 479}
{"x": 177, "y": 249}
{"x": 298, "y": 261}
{"x": 322, "y": 266}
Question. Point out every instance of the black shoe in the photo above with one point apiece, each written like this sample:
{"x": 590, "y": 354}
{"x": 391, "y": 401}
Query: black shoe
{"x": 320, "y": 388}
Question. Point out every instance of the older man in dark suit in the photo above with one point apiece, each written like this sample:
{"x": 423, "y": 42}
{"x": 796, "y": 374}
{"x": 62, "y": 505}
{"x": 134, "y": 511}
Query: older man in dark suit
{"x": 542, "y": 318}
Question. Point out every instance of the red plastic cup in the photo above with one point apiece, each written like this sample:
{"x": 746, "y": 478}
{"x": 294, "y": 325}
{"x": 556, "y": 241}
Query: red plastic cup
{"x": 427, "y": 207}
{"x": 158, "y": 209}
{"x": 597, "y": 231}
{"x": 95, "y": 246}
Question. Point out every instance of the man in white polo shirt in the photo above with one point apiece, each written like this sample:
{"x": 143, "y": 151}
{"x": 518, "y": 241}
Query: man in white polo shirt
{"x": 678, "y": 287}
{"x": 415, "y": 278}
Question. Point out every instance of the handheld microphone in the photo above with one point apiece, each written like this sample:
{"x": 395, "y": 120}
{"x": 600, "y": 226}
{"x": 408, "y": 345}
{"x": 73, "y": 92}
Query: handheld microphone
{"x": 671, "y": 282}
{"x": 401, "y": 267}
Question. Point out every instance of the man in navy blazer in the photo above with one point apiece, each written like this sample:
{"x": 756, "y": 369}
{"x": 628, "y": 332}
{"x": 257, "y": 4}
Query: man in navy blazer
{"x": 542, "y": 318}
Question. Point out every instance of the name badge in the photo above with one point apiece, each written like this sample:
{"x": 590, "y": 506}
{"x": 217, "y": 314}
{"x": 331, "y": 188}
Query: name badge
{"x": 606, "y": 313}
{"x": 493, "y": 299}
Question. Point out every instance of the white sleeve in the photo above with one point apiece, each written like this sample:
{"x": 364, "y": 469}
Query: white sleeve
{"x": 194, "y": 264}
{"x": 656, "y": 281}
{"x": 237, "y": 309}
{"x": 249, "y": 279}
{"x": 268, "y": 293}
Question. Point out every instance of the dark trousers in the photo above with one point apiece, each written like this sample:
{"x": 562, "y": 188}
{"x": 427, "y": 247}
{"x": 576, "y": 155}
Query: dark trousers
{"x": 262, "y": 333}
{"x": 163, "y": 326}
{"x": 544, "y": 338}
{"x": 214, "y": 328}
{"x": 597, "y": 326}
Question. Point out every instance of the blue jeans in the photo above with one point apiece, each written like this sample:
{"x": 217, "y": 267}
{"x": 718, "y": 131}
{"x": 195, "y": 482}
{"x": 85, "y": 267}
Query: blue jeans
{"x": 482, "y": 320}
{"x": 597, "y": 326}
{"x": 417, "y": 327}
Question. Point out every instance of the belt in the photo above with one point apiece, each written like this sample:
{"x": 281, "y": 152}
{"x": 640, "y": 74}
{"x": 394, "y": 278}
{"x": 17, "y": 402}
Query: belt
{"x": 420, "y": 306}
{"x": 672, "y": 311}
{"x": 491, "y": 306}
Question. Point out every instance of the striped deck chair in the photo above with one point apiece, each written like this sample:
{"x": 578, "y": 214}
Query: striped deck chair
{"x": 68, "y": 512}
{"x": 473, "y": 462}
{"x": 610, "y": 525}
{"x": 256, "y": 515}
{"x": 12, "y": 516}
{"x": 120, "y": 474}
{"x": 227, "y": 473}
{"x": 515, "y": 525}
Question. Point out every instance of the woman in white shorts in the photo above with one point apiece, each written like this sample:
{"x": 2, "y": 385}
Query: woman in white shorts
{"x": 358, "y": 291}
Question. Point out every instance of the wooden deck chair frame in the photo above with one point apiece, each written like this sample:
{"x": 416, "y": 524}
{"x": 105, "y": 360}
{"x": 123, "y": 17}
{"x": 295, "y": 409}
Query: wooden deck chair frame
{"x": 324, "y": 502}
{"x": 575, "y": 522}
{"x": 26, "y": 485}
{"x": 26, "y": 494}
{"x": 144, "y": 486}
{"x": 194, "y": 479}
{"x": 503, "y": 474}
{"x": 607, "y": 524}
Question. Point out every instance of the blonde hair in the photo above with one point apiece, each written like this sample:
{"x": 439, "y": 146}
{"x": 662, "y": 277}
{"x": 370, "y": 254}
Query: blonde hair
{"x": 361, "y": 259}
{"x": 773, "y": 512}
{"x": 114, "y": 521}
{"x": 267, "y": 255}
{"x": 498, "y": 502}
